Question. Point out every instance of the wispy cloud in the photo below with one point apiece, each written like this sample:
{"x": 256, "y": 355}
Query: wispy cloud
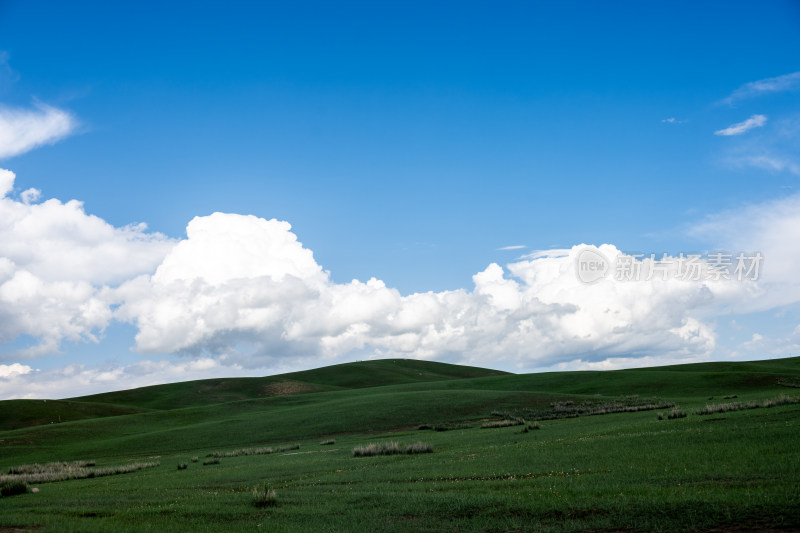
{"x": 775, "y": 163}
{"x": 672, "y": 120}
{"x": 7, "y": 74}
{"x": 22, "y": 130}
{"x": 771, "y": 228}
{"x": 755, "y": 121}
{"x": 513, "y": 247}
{"x": 787, "y": 82}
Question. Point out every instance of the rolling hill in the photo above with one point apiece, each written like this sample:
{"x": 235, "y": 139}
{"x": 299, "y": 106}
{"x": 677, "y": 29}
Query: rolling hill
{"x": 625, "y": 450}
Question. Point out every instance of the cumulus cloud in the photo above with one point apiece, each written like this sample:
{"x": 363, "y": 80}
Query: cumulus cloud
{"x": 755, "y": 121}
{"x": 56, "y": 263}
{"x": 22, "y": 130}
{"x": 6, "y": 182}
{"x": 8, "y": 371}
{"x": 58, "y": 241}
{"x": 787, "y": 82}
{"x": 246, "y": 289}
{"x": 243, "y": 293}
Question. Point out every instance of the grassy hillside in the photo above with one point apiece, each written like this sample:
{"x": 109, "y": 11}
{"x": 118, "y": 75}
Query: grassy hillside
{"x": 381, "y": 408}
{"x": 16, "y": 414}
{"x": 624, "y": 471}
{"x": 336, "y": 377}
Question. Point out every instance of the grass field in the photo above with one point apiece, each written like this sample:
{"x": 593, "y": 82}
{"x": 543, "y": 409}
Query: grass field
{"x": 581, "y": 470}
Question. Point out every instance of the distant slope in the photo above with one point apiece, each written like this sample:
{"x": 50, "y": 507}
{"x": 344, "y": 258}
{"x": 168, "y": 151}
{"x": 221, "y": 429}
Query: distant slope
{"x": 374, "y": 395}
{"x": 337, "y": 377}
{"x": 285, "y": 418}
{"x": 24, "y": 413}
{"x": 697, "y": 380}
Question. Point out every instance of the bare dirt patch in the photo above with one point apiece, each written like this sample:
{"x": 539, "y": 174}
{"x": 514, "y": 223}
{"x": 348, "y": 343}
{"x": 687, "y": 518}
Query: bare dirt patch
{"x": 286, "y": 388}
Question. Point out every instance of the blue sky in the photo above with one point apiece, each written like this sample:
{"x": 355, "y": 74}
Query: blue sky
{"x": 407, "y": 142}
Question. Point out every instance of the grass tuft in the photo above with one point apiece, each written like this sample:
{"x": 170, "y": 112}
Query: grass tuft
{"x": 62, "y": 471}
{"x": 418, "y": 447}
{"x": 288, "y": 447}
{"x": 391, "y": 448}
{"x": 676, "y": 413}
{"x": 240, "y": 452}
{"x": 182, "y": 466}
{"x": 711, "y": 409}
{"x": 264, "y": 496}
{"x": 13, "y": 488}
{"x": 573, "y": 409}
{"x": 212, "y": 461}
{"x": 506, "y": 422}
{"x": 327, "y": 442}
{"x": 445, "y": 427}
{"x": 383, "y": 448}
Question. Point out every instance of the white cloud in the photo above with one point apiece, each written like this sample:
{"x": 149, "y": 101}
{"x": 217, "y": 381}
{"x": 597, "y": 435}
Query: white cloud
{"x": 774, "y": 163}
{"x": 755, "y": 121}
{"x": 616, "y": 363}
{"x": 55, "y": 261}
{"x": 672, "y": 120}
{"x": 762, "y": 346}
{"x": 79, "y": 380}
{"x": 774, "y": 150}
{"x": 513, "y": 247}
{"x": 6, "y": 182}
{"x": 242, "y": 292}
{"x": 772, "y": 228}
{"x": 30, "y": 196}
{"x": 787, "y": 82}
{"x": 58, "y": 241}
{"x": 246, "y": 289}
{"x": 22, "y": 130}
{"x": 16, "y": 369}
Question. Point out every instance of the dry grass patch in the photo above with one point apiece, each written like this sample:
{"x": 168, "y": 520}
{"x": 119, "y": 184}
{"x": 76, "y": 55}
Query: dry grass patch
{"x": 391, "y": 448}
{"x": 418, "y": 447}
{"x": 676, "y": 413}
{"x": 241, "y": 451}
{"x": 711, "y": 409}
{"x": 589, "y": 407}
{"x": 506, "y": 422}
{"x": 445, "y": 427}
{"x": 62, "y": 471}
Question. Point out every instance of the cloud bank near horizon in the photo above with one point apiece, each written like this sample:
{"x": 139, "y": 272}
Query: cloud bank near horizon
{"x": 241, "y": 293}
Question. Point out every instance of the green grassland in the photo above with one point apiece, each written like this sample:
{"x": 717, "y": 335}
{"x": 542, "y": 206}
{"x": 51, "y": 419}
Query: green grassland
{"x": 622, "y": 471}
